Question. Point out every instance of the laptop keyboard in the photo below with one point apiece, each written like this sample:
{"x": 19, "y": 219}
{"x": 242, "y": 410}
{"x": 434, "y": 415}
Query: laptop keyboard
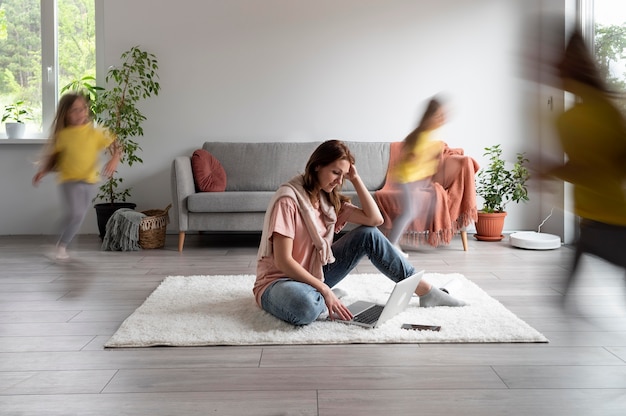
{"x": 370, "y": 315}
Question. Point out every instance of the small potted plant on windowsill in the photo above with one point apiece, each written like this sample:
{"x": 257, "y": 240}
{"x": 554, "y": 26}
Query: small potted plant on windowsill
{"x": 15, "y": 114}
{"x": 498, "y": 186}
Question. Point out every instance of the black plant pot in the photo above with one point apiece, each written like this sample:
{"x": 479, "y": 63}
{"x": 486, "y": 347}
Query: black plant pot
{"x": 105, "y": 210}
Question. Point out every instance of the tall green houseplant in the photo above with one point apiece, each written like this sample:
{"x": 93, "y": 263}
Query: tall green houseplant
{"x": 116, "y": 109}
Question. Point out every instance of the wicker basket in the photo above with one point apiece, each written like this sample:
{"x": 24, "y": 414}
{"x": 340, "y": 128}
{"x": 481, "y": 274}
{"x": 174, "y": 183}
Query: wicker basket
{"x": 152, "y": 228}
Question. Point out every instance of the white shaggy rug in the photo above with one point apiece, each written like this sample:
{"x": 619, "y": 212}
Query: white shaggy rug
{"x": 220, "y": 310}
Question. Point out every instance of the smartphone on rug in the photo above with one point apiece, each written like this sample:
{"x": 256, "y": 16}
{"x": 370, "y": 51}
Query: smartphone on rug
{"x": 421, "y": 327}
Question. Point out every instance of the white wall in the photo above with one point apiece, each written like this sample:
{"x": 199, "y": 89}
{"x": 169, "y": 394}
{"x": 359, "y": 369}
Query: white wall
{"x": 300, "y": 70}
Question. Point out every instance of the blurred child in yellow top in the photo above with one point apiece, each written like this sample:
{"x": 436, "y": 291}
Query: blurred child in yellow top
{"x": 73, "y": 151}
{"x": 593, "y": 136}
{"x": 418, "y": 163}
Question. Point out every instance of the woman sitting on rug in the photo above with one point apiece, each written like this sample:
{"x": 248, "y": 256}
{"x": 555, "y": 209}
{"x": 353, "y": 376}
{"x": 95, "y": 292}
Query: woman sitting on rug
{"x": 298, "y": 262}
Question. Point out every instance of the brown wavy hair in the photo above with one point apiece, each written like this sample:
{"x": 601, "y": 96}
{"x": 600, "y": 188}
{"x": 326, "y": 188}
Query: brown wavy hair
{"x": 433, "y": 106}
{"x": 325, "y": 154}
{"x": 65, "y": 103}
{"x": 578, "y": 63}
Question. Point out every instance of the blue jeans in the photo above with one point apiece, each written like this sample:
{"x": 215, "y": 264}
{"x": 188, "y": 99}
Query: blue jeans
{"x": 300, "y": 304}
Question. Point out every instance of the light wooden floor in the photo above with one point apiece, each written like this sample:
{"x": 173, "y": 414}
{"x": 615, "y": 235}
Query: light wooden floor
{"x": 55, "y": 318}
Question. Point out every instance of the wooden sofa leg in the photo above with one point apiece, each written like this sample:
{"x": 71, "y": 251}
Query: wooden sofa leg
{"x": 181, "y": 240}
{"x": 464, "y": 239}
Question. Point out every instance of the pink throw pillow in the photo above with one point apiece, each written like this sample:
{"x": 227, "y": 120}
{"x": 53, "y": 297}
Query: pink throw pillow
{"x": 208, "y": 173}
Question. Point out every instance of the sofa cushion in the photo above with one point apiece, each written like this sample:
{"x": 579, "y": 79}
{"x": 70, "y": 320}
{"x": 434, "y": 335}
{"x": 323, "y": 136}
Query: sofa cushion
{"x": 260, "y": 166}
{"x": 230, "y": 201}
{"x": 208, "y": 173}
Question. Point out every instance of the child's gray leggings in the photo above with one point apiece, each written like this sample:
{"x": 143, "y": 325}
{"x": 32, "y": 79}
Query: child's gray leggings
{"x": 76, "y": 197}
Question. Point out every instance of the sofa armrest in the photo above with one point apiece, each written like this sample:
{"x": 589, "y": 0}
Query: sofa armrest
{"x": 182, "y": 185}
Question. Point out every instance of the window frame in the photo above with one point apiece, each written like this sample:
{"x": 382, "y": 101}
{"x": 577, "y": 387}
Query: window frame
{"x": 49, "y": 64}
{"x": 50, "y": 68}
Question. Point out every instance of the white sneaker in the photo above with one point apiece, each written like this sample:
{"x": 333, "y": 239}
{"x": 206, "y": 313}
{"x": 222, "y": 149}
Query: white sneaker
{"x": 400, "y": 251}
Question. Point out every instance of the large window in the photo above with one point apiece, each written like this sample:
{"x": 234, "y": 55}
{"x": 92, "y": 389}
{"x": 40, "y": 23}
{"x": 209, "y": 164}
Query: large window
{"x": 609, "y": 42}
{"x": 44, "y": 44}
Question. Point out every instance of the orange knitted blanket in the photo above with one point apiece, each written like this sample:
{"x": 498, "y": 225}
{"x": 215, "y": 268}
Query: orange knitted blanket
{"x": 452, "y": 199}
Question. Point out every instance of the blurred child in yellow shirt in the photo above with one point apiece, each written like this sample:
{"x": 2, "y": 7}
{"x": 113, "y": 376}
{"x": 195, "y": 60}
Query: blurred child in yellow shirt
{"x": 418, "y": 163}
{"x": 73, "y": 151}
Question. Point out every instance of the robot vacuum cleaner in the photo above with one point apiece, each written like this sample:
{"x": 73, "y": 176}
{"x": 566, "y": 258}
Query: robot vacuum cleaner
{"x": 532, "y": 240}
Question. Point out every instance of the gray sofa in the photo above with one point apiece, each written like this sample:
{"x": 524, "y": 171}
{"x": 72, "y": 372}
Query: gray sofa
{"x": 254, "y": 171}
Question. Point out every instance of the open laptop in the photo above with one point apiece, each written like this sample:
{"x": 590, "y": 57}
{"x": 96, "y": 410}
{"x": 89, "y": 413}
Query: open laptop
{"x": 371, "y": 315}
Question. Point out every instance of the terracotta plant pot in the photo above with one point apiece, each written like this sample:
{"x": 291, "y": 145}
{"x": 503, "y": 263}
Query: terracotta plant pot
{"x": 489, "y": 226}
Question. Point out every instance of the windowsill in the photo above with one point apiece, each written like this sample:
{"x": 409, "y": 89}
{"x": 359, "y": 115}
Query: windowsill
{"x": 22, "y": 141}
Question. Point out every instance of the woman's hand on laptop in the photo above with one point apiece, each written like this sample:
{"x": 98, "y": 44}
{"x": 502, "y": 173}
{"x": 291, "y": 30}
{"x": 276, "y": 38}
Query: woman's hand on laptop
{"x": 336, "y": 309}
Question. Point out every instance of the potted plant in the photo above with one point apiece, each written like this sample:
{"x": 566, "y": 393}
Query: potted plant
{"x": 498, "y": 186}
{"x": 116, "y": 108}
{"x": 14, "y": 116}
